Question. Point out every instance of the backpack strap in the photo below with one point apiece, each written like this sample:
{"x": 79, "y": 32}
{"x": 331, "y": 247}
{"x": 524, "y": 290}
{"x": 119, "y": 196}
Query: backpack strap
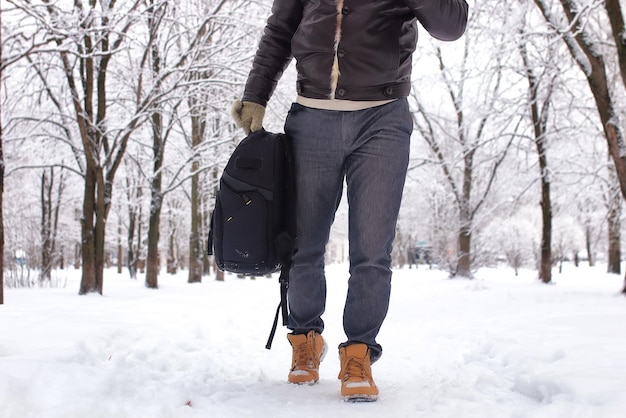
{"x": 282, "y": 306}
{"x": 285, "y": 242}
{"x": 210, "y": 239}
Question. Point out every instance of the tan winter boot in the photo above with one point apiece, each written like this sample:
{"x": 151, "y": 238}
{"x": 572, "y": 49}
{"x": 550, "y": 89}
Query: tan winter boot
{"x": 357, "y": 384}
{"x": 308, "y": 351}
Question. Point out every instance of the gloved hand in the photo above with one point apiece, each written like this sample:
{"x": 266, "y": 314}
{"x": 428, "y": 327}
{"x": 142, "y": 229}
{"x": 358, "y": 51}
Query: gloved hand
{"x": 248, "y": 115}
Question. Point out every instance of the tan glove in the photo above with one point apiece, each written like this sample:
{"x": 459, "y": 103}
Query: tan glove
{"x": 248, "y": 115}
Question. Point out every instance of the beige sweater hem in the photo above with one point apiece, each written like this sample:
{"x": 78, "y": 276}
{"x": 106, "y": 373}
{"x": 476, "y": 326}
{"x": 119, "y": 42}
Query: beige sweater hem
{"x": 340, "y": 105}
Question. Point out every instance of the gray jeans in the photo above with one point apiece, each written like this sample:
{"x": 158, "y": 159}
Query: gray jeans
{"x": 370, "y": 148}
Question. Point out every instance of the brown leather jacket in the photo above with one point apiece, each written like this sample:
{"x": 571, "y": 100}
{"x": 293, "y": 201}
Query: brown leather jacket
{"x": 348, "y": 49}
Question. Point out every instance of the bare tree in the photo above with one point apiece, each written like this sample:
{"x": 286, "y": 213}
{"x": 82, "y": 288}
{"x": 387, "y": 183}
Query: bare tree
{"x": 471, "y": 147}
{"x": 540, "y": 88}
{"x": 586, "y": 50}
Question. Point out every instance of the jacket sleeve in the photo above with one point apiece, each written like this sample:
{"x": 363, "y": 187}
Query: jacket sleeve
{"x": 274, "y": 52}
{"x": 443, "y": 19}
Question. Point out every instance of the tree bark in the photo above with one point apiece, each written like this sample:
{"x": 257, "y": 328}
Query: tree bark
{"x": 120, "y": 249}
{"x": 466, "y": 221}
{"x": 158, "y": 152}
{"x": 616, "y": 19}
{"x": 172, "y": 260}
{"x": 46, "y": 221}
{"x": 206, "y": 226}
{"x": 588, "y": 240}
{"x": 464, "y": 264}
{"x": 152, "y": 260}
{"x": 195, "y": 244}
{"x": 614, "y": 253}
{"x": 195, "y": 240}
{"x": 614, "y": 224}
{"x": 545, "y": 264}
{"x": 154, "y": 219}
{"x": 130, "y": 239}
{"x": 88, "y": 282}
{"x": 134, "y": 195}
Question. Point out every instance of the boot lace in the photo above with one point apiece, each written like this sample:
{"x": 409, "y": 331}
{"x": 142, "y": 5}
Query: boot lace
{"x": 304, "y": 355}
{"x": 355, "y": 369}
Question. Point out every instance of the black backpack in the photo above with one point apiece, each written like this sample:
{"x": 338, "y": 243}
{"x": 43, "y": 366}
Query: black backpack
{"x": 253, "y": 226}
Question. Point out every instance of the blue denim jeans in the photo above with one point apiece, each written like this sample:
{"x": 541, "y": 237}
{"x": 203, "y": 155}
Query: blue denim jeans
{"x": 370, "y": 149}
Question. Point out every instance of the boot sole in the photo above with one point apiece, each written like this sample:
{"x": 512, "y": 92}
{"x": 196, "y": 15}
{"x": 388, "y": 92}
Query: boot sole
{"x": 360, "y": 398}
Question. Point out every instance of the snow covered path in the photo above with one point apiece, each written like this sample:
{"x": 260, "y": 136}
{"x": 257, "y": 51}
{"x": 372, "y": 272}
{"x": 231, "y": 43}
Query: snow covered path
{"x": 499, "y": 346}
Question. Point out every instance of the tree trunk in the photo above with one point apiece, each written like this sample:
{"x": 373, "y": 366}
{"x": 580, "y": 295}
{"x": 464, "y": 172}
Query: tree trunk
{"x": 195, "y": 244}
{"x": 132, "y": 257}
{"x": 120, "y": 249}
{"x": 545, "y": 264}
{"x": 219, "y": 274}
{"x": 77, "y": 255}
{"x": 545, "y": 267}
{"x": 614, "y": 254}
{"x": 206, "y": 226}
{"x": 154, "y": 220}
{"x": 62, "y": 257}
{"x": 590, "y": 256}
{"x": 195, "y": 240}
{"x": 152, "y": 261}
{"x": 134, "y": 202}
{"x": 172, "y": 263}
{"x": 102, "y": 197}
{"x": 140, "y": 261}
{"x": 93, "y": 232}
{"x": 464, "y": 264}
{"x": 88, "y": 282}
{"x": 614, "y": 225}
{"x": 46, "y": 218}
